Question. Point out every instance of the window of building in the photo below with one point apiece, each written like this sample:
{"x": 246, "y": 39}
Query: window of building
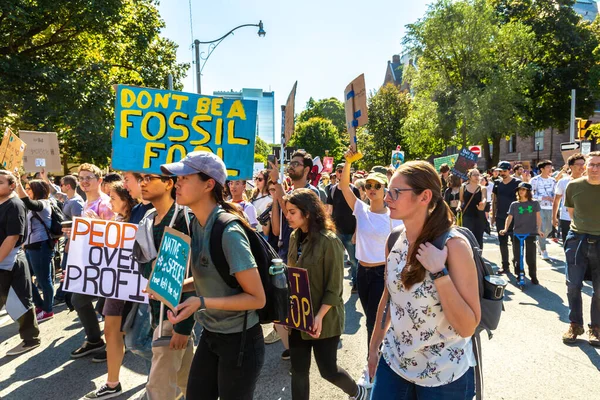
{"x": 512, "y": 144}
{"x": 538, "y": 141}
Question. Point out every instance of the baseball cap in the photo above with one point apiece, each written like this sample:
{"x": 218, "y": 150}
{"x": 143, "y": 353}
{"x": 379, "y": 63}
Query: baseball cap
{"x": 198, "y": 161}
{"x": 503, "y": 166}
{"x": 340, "y": 166}
{"x": 525, "y": 185}
{"x": 378, "y": 177}
{"x": 380, "y": 169}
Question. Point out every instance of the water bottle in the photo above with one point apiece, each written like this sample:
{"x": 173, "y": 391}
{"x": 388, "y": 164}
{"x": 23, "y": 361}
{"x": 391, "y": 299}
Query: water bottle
{"x": 279, "y": 279}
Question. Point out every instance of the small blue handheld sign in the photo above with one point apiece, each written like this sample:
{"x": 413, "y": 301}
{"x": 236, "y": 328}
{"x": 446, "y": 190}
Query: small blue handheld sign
{"x": 170, "y": 268}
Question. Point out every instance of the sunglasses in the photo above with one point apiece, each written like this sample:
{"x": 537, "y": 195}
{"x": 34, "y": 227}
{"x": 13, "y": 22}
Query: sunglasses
{"x": 370, "y": 186}
{"x": 340, "y": 171}
{"x": 259, "y": 179}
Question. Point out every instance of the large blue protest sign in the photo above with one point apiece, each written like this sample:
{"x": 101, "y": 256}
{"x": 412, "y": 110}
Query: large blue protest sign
{"x": 154, "y": 127}
{"x": 170, "y": 267}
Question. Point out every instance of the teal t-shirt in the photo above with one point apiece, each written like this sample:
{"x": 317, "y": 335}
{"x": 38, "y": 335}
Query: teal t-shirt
{"x": 208, "y": 282}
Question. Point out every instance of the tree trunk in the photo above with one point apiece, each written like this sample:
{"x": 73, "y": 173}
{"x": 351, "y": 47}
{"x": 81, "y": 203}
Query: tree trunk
{"x": 485, "y": 147}
{"x": 551, "y": 142}
{"x": 464, "y": 132}
{"x": 496, "y": 150}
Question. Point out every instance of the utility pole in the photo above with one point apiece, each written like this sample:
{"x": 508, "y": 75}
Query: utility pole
{"x": 198, "y": 74}
{"x": 572, "y": 125}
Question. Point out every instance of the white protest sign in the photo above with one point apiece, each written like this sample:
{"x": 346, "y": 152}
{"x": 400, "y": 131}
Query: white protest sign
{"x": 100, "y": 262}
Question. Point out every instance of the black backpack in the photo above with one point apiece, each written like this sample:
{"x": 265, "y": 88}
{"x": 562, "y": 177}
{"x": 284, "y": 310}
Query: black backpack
{"x": 56, "y": 219}
{"x": 277, "y": 300}
{"x": 491, "y": 293}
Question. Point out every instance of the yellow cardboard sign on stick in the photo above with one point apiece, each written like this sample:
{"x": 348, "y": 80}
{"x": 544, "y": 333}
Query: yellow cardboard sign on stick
{"x": 42, "y": 152}
{"x": 11, "y": 151}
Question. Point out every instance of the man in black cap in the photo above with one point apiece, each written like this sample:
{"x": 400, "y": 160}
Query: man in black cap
{"x": 503, "y": 194}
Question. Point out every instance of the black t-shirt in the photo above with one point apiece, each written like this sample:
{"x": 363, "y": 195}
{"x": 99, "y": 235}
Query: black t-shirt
{"x": 342, "y": 213}
{"x": 13, "y": 220}
{"x": 505, "y": 194}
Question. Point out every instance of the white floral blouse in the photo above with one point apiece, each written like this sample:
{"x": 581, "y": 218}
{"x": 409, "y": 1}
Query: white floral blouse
{"x": 420, "y": 345}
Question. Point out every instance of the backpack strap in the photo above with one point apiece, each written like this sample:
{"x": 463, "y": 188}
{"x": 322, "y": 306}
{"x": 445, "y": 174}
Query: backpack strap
{"x": 393, "y": 237}
{"x": 216, "y": 247}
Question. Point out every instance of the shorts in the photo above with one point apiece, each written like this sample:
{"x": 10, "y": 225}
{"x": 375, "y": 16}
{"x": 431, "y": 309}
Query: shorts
{"x": 113, "y": 308}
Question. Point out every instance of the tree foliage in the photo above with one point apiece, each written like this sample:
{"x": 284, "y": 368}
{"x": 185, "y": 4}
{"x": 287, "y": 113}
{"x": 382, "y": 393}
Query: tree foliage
{"x": 331, "y": 109}
{"x": 261, "y": 150}
{"x": 59, "y": 60}
{"x": 317, "y": 135}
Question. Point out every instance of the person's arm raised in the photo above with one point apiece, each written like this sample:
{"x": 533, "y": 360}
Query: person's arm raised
{"x": 344, "y": 185}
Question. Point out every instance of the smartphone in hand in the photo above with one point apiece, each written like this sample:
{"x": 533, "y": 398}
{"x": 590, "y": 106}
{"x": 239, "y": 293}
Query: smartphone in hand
{"x": 270, "y": 160}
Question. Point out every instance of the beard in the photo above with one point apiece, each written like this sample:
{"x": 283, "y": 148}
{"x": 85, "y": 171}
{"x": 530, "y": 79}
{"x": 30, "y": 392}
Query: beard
{"x": 295, "y": 175}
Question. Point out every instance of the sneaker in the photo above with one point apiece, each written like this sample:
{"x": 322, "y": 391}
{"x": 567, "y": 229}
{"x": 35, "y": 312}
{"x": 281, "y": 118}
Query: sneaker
{"x": 99, "y": 357}
{"x": 88, "y": 348}
{"x": 545, "y": 255}
{"x": 354, "y": 289}
{"x": 360, "y": 395}
{"x": 272, "y": 337}
{"x": 364, "y": 380}
{"x": 571, "y": 335}
{"x": 594, "y": 336}
{"x": 105, "y": 392}
{"x": 285, "y": 355}
{"x": 22, "y": 348}
{"x": 535, "y": 281}
{"x": 43, "y": 316}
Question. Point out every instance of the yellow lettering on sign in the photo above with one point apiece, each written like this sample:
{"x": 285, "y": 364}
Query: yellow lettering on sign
{"x": 161, "y": 100}
{"x": 149, "y": 154}
{"x": 295, "y": 307}
{"x": 196, "y": 121}
{"x": 171, "y": 154}
{"x": 237, "y": 110}
{"x": 144, "y": 100}
{"x": 231, "y": 139}
{"x": 127, "y": 97}
{"x": 125, "y": 123}
{"x": 305, "y": 309}
{"x": 203, "y": 105}
{"x": 215, "y": 107}
{"x": 179, "y": 98}
{"x": 185, "y": 132}
{"x": 296, "y": 278}
{"x": 162, "y": 125}
{"x": 219, "y": 136}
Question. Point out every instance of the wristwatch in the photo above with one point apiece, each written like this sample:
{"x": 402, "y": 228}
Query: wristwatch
{"x": 202, "y": 304}
{"x": 434, "y": 276}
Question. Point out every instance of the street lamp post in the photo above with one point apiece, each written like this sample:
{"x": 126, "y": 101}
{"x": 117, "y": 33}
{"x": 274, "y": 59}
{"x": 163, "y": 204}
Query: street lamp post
{"x": 212, "y": 45}
{"x": 537, "y": 148}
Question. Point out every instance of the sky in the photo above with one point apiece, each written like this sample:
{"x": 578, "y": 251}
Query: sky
{"x": 322, "y": 44}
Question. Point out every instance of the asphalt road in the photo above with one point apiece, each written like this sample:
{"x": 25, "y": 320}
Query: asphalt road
{"x": 525, "y": 359}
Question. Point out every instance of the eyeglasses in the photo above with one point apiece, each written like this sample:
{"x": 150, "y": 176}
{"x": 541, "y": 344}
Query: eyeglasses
{"x": 87, "y": 178}
{"x": 592, "y": 166}
{"x": 295, "y": 164}
{"x": 395, "y": 192}
{"x": 580, "y": 164}
{"x": 259, "y": 179}
{"x": 370, "y": 186}
{"x": 27, "y": 188}
{"x": 148, "y": 178}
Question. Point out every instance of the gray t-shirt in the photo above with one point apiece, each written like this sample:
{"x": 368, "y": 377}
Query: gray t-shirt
{"x": 524, "y": 216}
{"x": 73, "y": 207}
{"x": 208, "y": 282}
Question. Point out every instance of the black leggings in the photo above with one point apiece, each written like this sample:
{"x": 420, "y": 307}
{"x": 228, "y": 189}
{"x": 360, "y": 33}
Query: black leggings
{"x": 530, "y": 256}
{"x": 370, "y": 289}
{"x": 325, "y": 351}
{"x": 476, "y": 224}
{"x": 215, "y": 373}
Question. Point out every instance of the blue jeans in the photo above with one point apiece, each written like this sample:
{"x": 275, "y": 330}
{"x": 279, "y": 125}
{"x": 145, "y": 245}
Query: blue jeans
{"x": 388, "y": 385}
{"x": 546, "y": 227}
{"x": 582, "y": 252}
{"x": 346, "y": 239}
{"x": 40, "y": 262}
{"x": 139, "y": 338}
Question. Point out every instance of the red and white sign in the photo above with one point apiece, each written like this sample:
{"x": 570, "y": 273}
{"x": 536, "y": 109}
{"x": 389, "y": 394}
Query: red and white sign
{"x": 476, "y": 150}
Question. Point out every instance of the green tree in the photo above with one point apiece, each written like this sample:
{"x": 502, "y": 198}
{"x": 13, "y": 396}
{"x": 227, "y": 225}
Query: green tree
{"x": 317, "y": 135}
{"x": 388, "y": 109}
{"x": 331, "y": 109}
{"x": 59, "y": 60}
{"x": 261, "y": 147}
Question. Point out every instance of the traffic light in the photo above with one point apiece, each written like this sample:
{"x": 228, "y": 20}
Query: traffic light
{"x": 583, "y": 128}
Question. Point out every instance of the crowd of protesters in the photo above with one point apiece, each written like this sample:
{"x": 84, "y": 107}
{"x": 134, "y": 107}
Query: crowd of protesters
{"x": 321, "y": 225}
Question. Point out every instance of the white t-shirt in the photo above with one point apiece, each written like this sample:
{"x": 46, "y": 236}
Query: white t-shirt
{"x": 250, "y": 212}
{"x": 490, "y": 189}
{"x": 372, "y": 231}
{"x": 561, "y": 187}
{"x": 543, "y": 187}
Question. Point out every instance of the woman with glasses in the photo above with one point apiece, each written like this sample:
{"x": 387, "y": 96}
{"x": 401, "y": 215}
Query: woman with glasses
{"x": 373, "y": 225}
{"x": 238, "y": 196}
{"x": 39, "y": 246}
{"x": 261, "y": 199}
{"x": 430, "y": 295}
{"x": 473, "y": 198}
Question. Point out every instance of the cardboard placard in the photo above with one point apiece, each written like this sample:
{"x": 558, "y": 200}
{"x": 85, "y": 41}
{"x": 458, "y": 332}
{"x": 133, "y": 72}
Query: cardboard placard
{"x": 170, "y": 267}
{"x": 397, "y": 158}
{"x": 289, "y": 114}
{"x": 12, "y": 150}
{"x": 163, "y": 126}
{"x": 42, "y": 152}
{"x": 100, "y": 263}
{"x": 465, "y": 161}
{"x": 450, "y": 160}
{"x": 301, "y": 315}
{"x": 327, "y": 164}
{"x": 355, "y": 105}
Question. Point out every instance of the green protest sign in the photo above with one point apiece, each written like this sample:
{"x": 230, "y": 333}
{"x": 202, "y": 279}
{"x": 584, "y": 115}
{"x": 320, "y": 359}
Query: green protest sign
{"x": 170, "y": 267}
{"x": 450, "y": 160}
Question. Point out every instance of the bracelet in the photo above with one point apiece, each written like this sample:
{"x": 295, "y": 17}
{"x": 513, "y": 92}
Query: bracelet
{"x": 439, "y": 274}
